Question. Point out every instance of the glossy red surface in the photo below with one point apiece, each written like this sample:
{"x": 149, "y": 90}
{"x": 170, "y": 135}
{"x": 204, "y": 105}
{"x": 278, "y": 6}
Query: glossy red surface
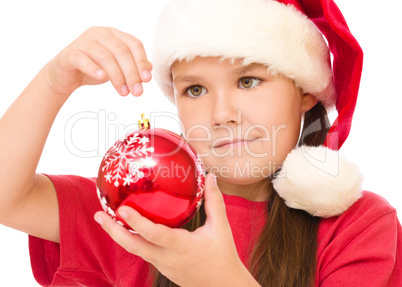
{"x": 155, "y": 172}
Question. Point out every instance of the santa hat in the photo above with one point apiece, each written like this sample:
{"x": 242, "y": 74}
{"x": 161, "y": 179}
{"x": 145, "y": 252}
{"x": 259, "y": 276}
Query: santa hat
{"x": 287, "y": 37}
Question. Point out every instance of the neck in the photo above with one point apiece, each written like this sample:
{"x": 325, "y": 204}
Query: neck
{"x": 254, "y": 192}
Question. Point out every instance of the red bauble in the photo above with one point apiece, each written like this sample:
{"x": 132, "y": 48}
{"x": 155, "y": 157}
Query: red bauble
{"x": 155, "y": 172}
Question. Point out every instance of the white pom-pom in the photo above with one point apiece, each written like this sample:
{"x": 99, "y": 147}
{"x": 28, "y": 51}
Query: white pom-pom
{"x": 319, "y": 181}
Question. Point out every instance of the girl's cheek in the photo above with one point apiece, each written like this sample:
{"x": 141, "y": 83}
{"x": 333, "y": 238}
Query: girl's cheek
{"x": 197, "y": 132}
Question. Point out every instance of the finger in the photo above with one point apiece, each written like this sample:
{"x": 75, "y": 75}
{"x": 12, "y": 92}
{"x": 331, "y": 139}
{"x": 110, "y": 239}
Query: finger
{"x": 158, "y": 234}
{"x": 133, "y": 243}
{"x": 214, "y": 203}
{"x": 137, "y": 49}
{"x": 84, "y": 64}
{"x": 125, "y": 61}
{"x": 105, "y": 59}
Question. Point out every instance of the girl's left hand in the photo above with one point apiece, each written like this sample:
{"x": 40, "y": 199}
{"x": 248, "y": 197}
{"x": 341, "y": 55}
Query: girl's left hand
{"x": 205, "y": 257}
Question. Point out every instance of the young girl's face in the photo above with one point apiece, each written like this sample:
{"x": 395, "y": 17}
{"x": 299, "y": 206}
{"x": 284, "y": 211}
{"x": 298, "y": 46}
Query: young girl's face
{"x": 240, "y": 119}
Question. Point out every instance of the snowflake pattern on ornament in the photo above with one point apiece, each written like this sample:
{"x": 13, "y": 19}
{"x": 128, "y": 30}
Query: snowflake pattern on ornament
{"x": 126, "y": 153}
{"x": 200, "y": 182}
{"x": 201, "y": 187}
{"x": 105, "y": 207}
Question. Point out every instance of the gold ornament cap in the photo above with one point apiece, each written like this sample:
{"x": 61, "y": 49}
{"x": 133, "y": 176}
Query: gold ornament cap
{"x": 143, "y": 123}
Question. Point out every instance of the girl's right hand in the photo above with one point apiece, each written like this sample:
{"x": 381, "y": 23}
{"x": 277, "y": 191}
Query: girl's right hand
{"x": 99, "y": 55}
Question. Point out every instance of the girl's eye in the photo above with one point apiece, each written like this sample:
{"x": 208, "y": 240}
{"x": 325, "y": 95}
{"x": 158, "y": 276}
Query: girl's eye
{"x": 195, "y": 91}
{"x": 249, "y": 82}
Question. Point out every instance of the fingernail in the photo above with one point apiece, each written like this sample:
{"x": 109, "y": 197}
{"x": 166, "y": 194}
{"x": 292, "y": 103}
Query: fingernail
{"x": 146, "y": 75}
{"x": 138, "y": 89}
{"x": 213, "y": 176}
{"x": 99, "y": 220}
{"x": 99, "y": 72}
{"x": 123, "y": 213}
{"x": 124, "y": 89}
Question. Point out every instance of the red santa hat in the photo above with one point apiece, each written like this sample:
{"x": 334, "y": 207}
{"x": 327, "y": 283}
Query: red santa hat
{"x": 287, "y": 37}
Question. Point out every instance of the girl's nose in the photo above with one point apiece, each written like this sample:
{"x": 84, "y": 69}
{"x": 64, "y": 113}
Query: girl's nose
{"x": 225, "y": 109}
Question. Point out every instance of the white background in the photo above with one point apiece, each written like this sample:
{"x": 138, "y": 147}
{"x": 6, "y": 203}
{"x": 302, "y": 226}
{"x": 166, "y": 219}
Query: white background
{"x": 32, "y": 32}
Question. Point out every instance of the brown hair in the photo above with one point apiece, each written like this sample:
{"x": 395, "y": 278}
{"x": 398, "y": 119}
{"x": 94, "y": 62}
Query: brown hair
{"x": 285, "y": 253}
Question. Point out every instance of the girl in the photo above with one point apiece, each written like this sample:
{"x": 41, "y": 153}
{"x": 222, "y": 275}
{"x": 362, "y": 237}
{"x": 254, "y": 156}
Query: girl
{"x": 261, "y": 94}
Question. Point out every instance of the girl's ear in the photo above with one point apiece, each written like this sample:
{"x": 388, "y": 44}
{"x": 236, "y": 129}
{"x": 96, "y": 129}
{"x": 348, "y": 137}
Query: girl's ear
{"x": 308, "y": 102}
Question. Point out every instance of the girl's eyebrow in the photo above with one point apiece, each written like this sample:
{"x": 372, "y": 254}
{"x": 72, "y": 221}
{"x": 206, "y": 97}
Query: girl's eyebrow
{"x": 186, "y": 78}
{"x": 238, "y": 71}
{"x": 247, "y": 69}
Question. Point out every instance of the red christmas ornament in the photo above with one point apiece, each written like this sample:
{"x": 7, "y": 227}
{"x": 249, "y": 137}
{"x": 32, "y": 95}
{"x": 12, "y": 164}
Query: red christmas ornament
{"x": 154, "y": 171}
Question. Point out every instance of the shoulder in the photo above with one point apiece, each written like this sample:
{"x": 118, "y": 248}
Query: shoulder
{"x": 370, "y": 214}
{"x": 363, "y": 213}
{"x": 352, "y": 245}
{"x": 370, "y": 206}
{"x": 372, "y": 201}
{"x": 371, "y": 218}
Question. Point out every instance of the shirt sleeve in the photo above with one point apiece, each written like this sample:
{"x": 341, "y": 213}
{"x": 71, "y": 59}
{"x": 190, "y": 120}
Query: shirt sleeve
{"x": 86, "y": 255}
{"x": 76, "y": 259}
{"x": 363, "y": 247}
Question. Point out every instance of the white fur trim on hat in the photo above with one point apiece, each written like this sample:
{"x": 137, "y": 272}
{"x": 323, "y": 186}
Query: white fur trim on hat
{"x": 319, "y": 181}
{"x": 258, "y": 31}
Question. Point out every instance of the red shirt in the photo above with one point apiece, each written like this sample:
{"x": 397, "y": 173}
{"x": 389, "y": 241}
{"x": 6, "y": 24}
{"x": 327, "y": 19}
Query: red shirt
{"x": 363, "y": 247}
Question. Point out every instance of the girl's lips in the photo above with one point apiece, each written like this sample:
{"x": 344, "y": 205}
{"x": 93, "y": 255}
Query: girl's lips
{"x": 233, "y": 143}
